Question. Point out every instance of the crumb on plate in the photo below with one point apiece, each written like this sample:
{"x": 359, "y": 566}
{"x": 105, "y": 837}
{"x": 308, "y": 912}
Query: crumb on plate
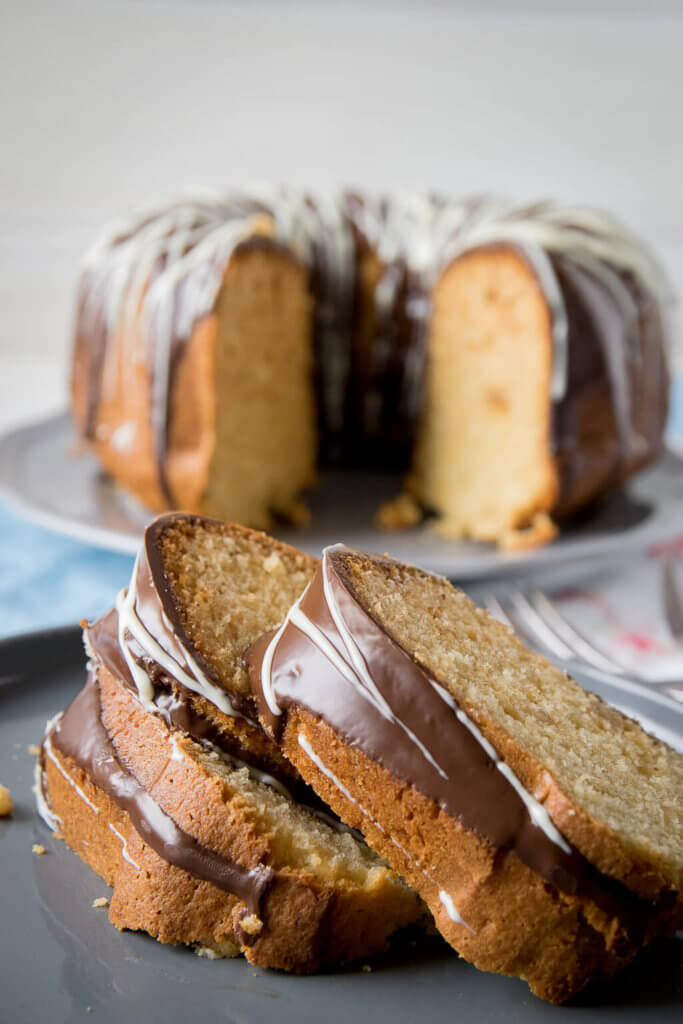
{"x": 6, "y": 803}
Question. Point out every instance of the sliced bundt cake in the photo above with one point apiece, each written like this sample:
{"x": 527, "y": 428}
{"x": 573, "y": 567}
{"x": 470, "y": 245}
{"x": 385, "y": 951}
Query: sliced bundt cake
{"x": 511, "y": 358}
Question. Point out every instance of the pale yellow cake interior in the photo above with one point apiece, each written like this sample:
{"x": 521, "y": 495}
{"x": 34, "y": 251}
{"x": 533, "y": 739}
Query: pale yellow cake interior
{"x": 482, "y": 460}
{"x": 232, "y": 585}
{"x": 265, "y": 444}
{"x": 299, "y": 839}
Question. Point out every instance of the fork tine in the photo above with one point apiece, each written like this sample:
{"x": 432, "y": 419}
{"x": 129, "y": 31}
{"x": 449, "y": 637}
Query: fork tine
{"x": 538, "y": 627}
{"x": 521, "y": 618}
{"x": 579, "y": 645}
{"x": 673, "y": 600}
{"x": 517, "y": 612}
{"x": 495, "y": 608}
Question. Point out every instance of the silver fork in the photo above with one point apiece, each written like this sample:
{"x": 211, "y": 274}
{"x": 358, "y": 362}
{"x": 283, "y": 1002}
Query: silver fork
{"x": 538, "y": 623}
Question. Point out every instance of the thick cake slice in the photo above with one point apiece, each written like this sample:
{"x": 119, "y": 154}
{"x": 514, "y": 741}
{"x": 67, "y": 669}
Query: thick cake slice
{"x": 159, "y": 776}
{"x": 202, "y": 849}
{"x": 542, "y": 827}
{"x": 201, "y": 592}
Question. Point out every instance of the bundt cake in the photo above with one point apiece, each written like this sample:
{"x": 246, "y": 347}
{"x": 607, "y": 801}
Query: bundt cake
{"x": 543, "y": 828}
{"x": 509, "y": 360}
{"x": 178, "y": 800}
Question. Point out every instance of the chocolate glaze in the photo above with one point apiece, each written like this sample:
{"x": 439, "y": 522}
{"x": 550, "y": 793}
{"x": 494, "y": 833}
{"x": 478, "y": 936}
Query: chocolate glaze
{"x": 90, "y": 347}
{"x": 381, "y": 389}
{"x": 174, "y": 705}
{"x": 596, "y": 447}
{"x": 80, "y": 735}
{"x": 171, "y": 697}
{"x": 156, "y": 611}
{"x": 466, "y": 782}
{"x": 387, "y": 387}
{"x": 169, "y": 331}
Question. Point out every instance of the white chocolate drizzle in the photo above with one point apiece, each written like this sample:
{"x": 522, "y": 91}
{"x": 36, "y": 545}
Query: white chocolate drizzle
{"x": 321, "y": 766}
{"x": 131, "y": 622}
{"x": 52, "y": 821}
{"x": 124, "y": 844}
{"x": 49, "y": 752}
{"x": 537, "y": 811}
{"x": 165, "y": 267}
{"x": 351, "y": 664}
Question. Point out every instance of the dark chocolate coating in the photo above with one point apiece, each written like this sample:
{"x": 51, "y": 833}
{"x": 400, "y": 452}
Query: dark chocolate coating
{"x": 594, "y": 452}
{"x": 80, "y": 735}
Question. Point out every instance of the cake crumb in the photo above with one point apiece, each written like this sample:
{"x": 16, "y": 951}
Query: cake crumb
{"x": 207, "y": 953}
{"x": 33, "y": 749}
{"x": 541, "y": 531}
{"x": 273, "y": 564}
{"x": 398, "y": 514}
{"x": 6, "y": 802}
{"x": 100, "y": 902}
{"x": 366, "y": 968}
{"x": 251, "y": 924}
{"x": 38, "y": 849}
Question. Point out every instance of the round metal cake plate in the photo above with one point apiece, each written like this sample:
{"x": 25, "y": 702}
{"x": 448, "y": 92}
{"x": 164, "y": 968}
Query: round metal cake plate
{"x": 63, "y": 962}
{"x": 43, "y": 474}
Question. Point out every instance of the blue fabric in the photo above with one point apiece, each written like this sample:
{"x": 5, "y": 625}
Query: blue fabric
{"x": 49, "y": 580}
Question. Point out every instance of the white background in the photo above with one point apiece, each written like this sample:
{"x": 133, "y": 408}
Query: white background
{"x": 103, "y": 105}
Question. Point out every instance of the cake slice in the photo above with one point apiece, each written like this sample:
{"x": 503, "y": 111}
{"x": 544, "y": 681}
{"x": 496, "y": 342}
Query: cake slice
{"x": 202, "y": 849}
{"x": 200, "y": 593}
{"x": 543, "y": 828}
{"x": 178, "y": 799}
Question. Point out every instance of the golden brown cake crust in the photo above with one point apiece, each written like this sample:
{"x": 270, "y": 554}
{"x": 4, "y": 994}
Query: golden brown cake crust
{"x": 305, "y": 922}
{"x": 517, "y": 923}
{"x": 122, "y": 433}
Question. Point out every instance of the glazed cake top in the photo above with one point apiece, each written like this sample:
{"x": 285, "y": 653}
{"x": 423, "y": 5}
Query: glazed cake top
{"x": 165, "y": 265}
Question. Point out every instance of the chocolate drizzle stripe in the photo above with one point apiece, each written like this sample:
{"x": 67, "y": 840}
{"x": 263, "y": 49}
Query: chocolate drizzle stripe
{"x": 80, "y": 735}
{"x": 374, "y": 695}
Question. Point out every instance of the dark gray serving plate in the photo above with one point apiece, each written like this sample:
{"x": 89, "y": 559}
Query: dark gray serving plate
{"x": 61, "y": 961}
